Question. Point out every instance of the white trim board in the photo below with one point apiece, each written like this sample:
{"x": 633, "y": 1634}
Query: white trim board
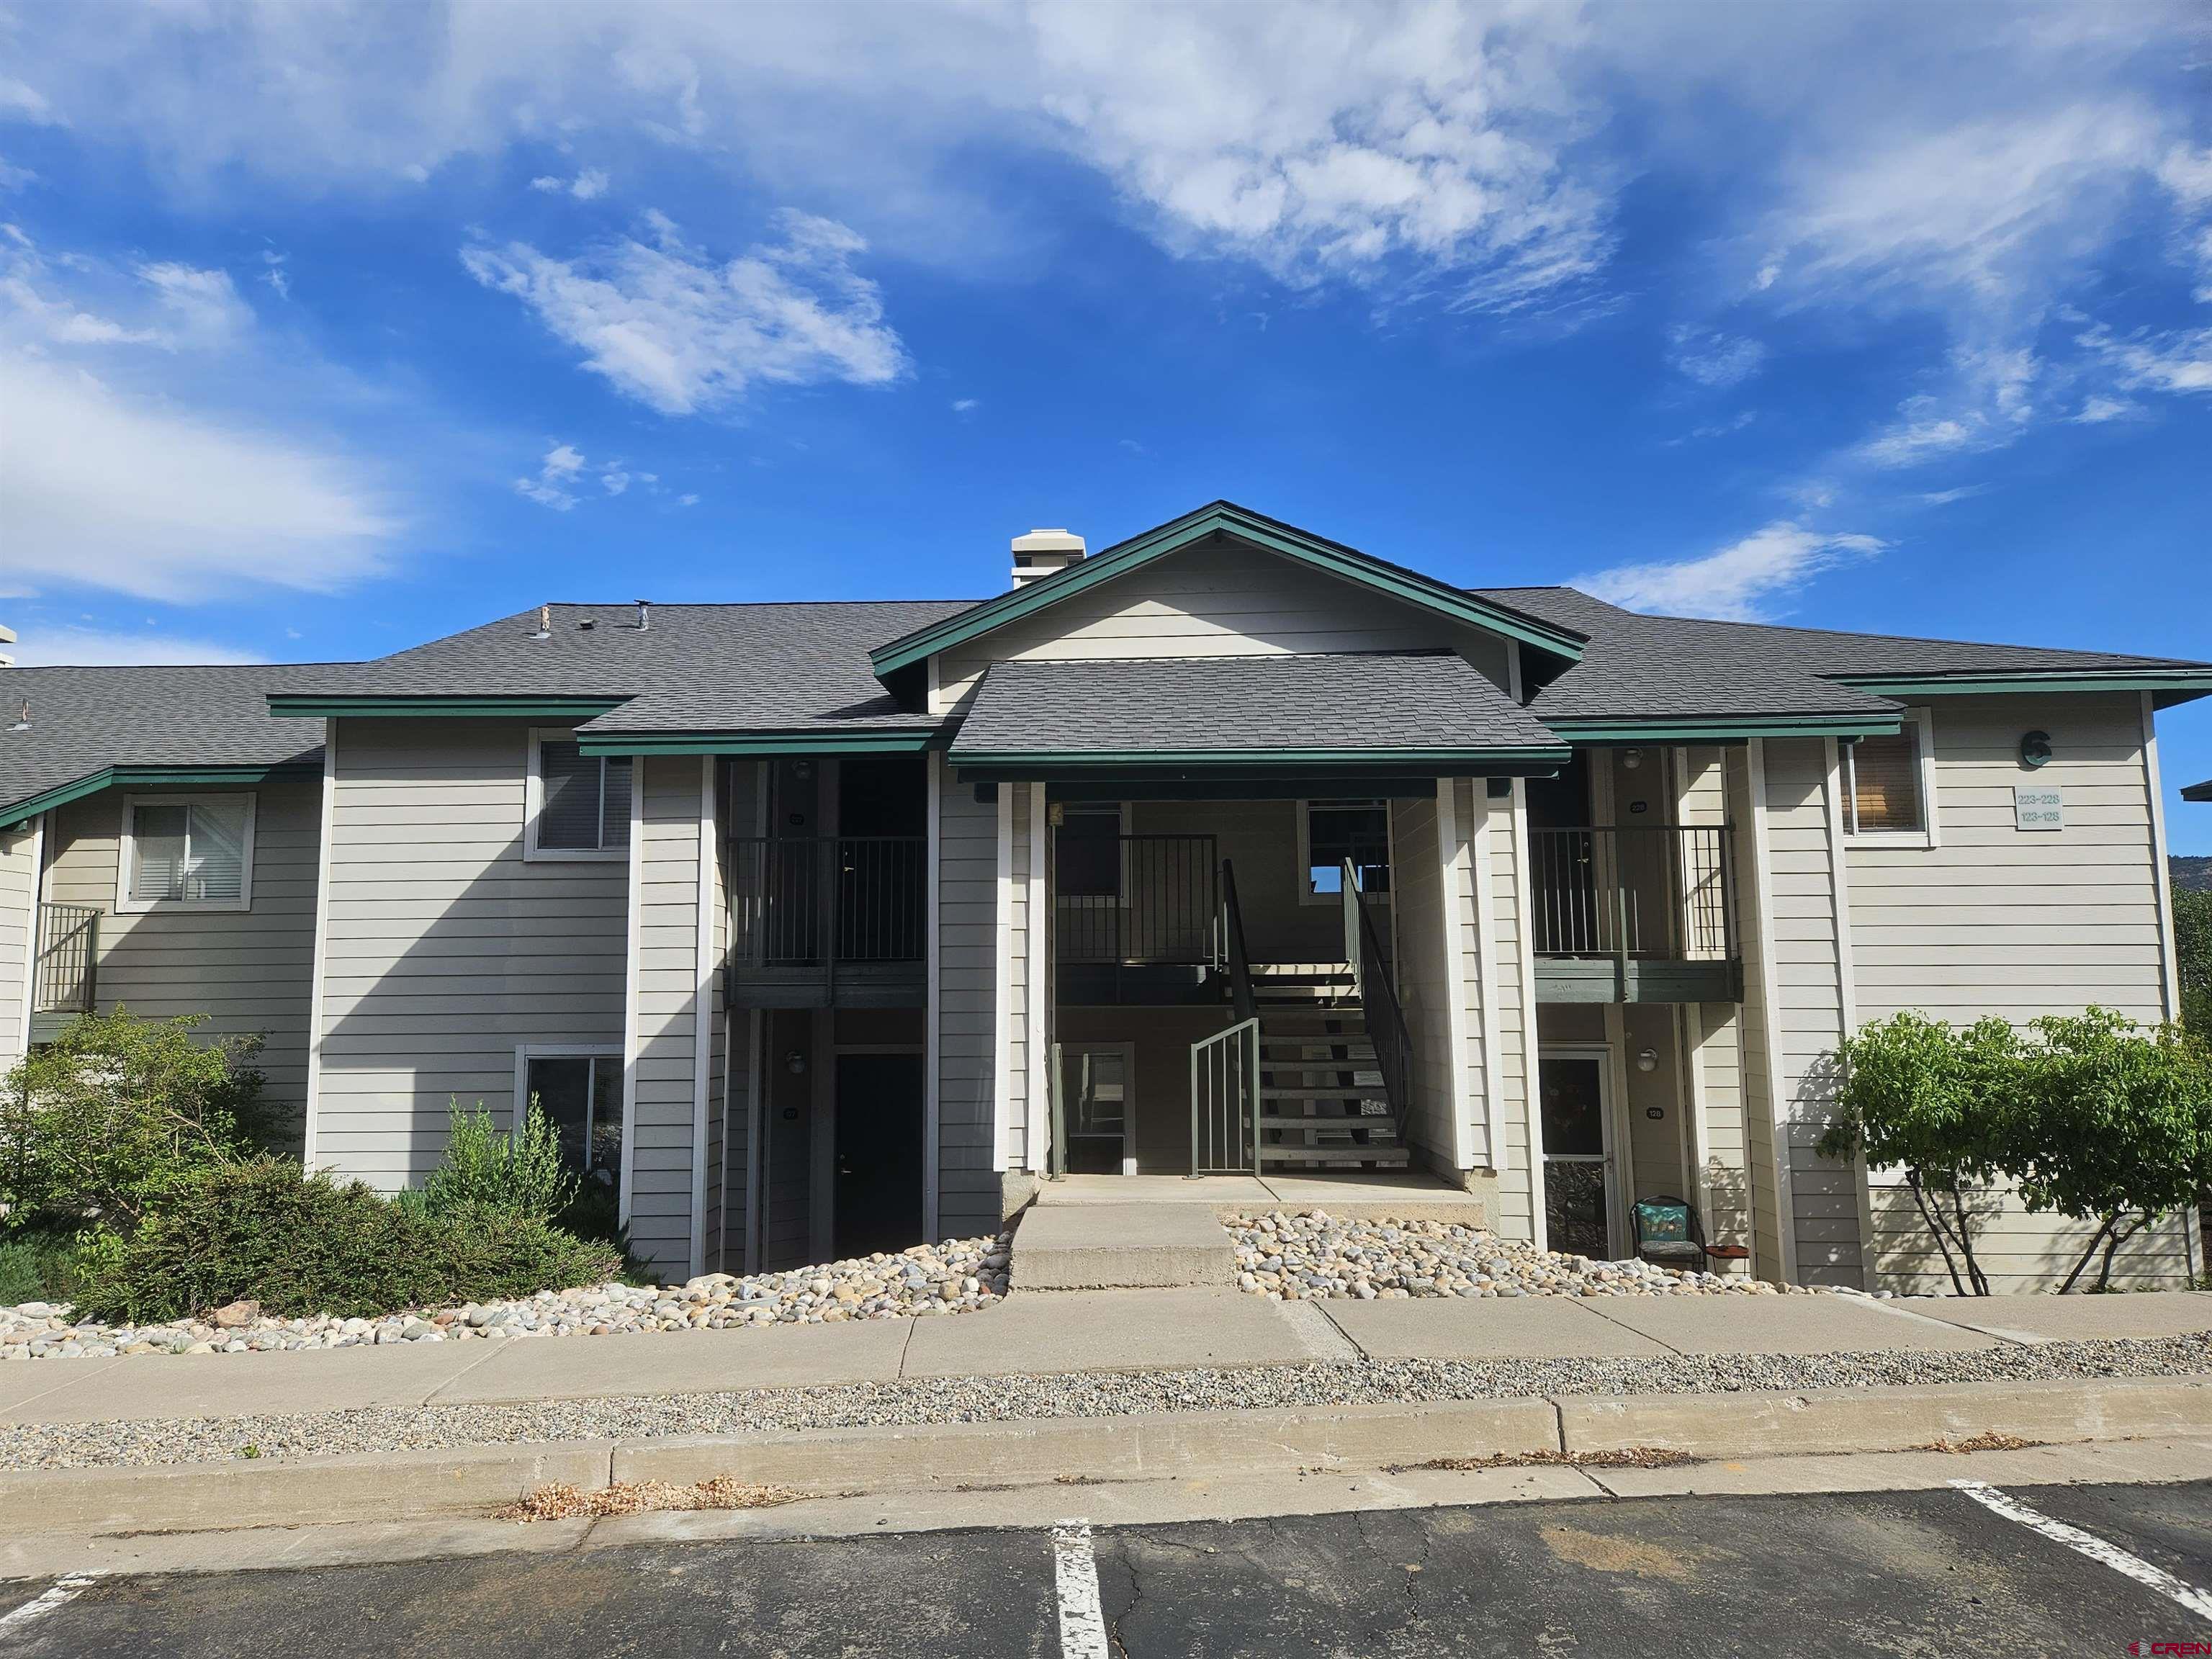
{"x": 1486, "y": 962}
{"x": 1002, "y": 986}
{"x": 318, "y": 974}
{"x": 2169, "y": 974}
{"x": 34, "y": 925}
{"x": 631, "y": 965}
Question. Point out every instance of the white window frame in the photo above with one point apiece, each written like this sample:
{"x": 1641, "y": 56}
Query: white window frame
{"x": 1923, "y": 721}
{"x": 1306, "y": 895}
{"x": 534, "y": 804}
{"x": 126, "y": 860}
{"x": 1614, "y": 1134}
{"x": 526, "y": 1052}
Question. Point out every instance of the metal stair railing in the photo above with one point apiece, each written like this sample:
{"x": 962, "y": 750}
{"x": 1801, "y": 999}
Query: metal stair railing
{"x": 1369, "y": 961}
{"x": 1224, "y": 1068}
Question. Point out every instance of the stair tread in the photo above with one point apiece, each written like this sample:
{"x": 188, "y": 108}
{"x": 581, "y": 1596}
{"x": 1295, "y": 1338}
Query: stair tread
{"x": 1394, "y": 1156}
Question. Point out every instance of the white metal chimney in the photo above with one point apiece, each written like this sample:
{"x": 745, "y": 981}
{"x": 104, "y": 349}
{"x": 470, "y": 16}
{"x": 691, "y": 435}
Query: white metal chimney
{"x": 1043, "y": 552}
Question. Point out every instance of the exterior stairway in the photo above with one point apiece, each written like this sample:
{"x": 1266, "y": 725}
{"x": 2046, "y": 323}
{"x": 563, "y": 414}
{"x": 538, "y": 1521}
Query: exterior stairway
{"x": 1322, "y": 1100}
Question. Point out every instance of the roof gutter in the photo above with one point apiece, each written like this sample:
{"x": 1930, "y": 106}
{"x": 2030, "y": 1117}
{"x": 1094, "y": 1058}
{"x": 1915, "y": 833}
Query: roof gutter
{"x": 2180, "y": 684}
{"x": 315, "y": 705}
{"x": 758, "y": 743}
{"x": 1726, "y": 728}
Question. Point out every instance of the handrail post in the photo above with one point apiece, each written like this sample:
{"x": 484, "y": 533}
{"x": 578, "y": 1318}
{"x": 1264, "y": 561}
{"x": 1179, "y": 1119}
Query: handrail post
{"x": 1056, "y": 1156}
{"x": 1251, "y": 1040}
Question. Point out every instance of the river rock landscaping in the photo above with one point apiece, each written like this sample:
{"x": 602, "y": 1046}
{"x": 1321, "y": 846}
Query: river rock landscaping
{"x": 1314, "y": 1255}
{"x": 957, "y": 1276}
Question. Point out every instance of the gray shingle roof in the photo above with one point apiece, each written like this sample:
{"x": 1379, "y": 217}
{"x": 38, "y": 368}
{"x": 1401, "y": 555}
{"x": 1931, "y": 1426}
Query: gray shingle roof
{"x": 1677, "y": 666}
{"x": 84, "y": 720}
{"x": 2198, "y": 791}
{"x": 1285, "y": 702}
{"x": 698, "y": 668}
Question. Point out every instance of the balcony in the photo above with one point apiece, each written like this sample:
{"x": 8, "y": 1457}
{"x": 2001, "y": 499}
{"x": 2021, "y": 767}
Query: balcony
{"x": 1135, "y": 918}
{"x": 821, "y": 921}
{"x": 64, "y": 980}
{"x": 1635, "y": 914}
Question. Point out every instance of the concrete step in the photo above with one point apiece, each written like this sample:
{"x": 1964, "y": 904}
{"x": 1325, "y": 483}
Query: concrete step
{"x": 1102, "y": 1247}
{"x": 1382, "y": 1157}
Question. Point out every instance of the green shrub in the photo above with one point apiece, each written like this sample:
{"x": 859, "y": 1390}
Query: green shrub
{"x": 115, "y": 1107}
{"x": 520, "y": 1174}
{"x": 2192, "y": 938}
{"x": 38, "y": 1264}
{"x": 298, "y": 1244}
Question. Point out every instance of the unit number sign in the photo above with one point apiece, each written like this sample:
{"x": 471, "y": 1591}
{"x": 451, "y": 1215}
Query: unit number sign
{"x": 2037, "y": 806}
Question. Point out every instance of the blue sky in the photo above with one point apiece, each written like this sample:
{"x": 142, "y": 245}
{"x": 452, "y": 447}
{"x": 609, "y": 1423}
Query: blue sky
{"x": 323, "y": 330}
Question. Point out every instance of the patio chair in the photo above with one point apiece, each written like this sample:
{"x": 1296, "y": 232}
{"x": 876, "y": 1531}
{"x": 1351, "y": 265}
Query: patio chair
{"x": 1669, "y": 1233}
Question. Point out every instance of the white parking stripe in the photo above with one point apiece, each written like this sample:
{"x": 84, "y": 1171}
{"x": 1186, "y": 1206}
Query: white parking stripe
{"x": 60, "y": 1594}
{"x": 1082, "y": 1626}
{"x": 2112, "y": 1555}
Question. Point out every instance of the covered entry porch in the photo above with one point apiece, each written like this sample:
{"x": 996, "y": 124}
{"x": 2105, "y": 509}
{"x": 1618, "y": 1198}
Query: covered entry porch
{"x": 1213, "y": 962}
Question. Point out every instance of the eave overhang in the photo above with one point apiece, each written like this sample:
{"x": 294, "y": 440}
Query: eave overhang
{"x": 110, "y": 777}
{"x": 1224, "y": 518}
{"x": 310, "y": 705}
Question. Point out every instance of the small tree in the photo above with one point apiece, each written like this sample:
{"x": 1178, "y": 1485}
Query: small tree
{"x": 116, "y": 1106}
{"x": 1919, "y": 1094}
{"x": 2114, "y": 1125}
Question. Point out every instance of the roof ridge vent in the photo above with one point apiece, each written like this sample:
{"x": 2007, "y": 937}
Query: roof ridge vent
{"x": 1044, "y": 553}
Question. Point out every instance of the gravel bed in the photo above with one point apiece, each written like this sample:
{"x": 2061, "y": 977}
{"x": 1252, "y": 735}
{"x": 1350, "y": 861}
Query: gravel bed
{"x": 957, "y": 1276}
{"x": 996, "y": 1399}
{"x": 1312, "y": 1255}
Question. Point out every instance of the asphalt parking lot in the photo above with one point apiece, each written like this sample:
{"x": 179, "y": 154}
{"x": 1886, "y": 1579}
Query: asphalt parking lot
{"x": 1890, "y": 1573}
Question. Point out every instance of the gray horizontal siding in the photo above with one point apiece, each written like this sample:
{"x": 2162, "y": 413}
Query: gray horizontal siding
{"x": 248, "y": 970}
{"x": 18, "y": 882}
{"x": 674, "y": 859}
{"x": 445, "y": 949}
{"x": 967, "y": 1193}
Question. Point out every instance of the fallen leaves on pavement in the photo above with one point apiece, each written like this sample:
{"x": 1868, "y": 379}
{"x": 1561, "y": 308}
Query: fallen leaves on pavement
{"x": 562, "y": 1502}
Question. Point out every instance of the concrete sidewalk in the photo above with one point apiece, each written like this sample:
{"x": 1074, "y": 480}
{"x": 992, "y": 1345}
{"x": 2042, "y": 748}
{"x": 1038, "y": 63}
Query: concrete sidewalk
{"x": 1046, "y": 1334}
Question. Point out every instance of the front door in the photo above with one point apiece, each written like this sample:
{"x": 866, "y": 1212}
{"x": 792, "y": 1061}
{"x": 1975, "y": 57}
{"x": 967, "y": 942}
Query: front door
{"x": 1095, "y": 1102}
{"x": 1578, "y": 1172}
{"x": 879, "y": 1154}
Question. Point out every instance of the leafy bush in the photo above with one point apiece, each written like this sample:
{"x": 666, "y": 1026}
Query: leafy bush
{"x": 520, "y": 1174}
{"x": 115, "y": 1107}
{"x": 1932, "y": 1100}
{"x": 2113, "y": 1124}
{"x": 300, "y": 1244}
{"x": 38, "y": 1264}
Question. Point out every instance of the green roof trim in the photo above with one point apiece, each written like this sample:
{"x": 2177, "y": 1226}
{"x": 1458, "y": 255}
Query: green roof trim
{"x": 1437, "y": 762}
{"x": 1331, "y": 558}
{"x": 756, "y": 743}
{"x": 113, "y": 777}
{"x": 1727, "y": 727}
{"x": 314, "y": 705}
{"x": 2195, "y": 680}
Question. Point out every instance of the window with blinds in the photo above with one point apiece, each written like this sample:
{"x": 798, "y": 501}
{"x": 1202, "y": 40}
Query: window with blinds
{"x": 189, "y": 852}
{"x": 583, "y": 802}
{"x": 1883, "y": 782}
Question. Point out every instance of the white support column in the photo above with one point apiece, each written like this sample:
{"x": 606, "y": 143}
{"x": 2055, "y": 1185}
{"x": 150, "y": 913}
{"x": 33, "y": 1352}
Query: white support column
{"x": 1847, "y": 990}
{"x": 33, "y": 923}
{"x": 702, "y": 1015}
{"x": 326, "y": 820}
{"x": 2169, "y": 957}
{"x": 1002, "y": 991}
{"x": 1040, "y": 965}
{"x": 1532, "y": 1090}
{"x": 1451, "y": 871}
{"x": 1777, "y": 1123}
{"x": 632, "y": 947}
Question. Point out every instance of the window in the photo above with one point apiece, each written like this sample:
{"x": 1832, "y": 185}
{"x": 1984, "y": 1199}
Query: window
{"x": 1331, "y": 831}
{"x": 1887, "y": 785}
{"x": 581, "y": 1091}
{"x": 186, "y": 850}
{"x": 578, "y": 803}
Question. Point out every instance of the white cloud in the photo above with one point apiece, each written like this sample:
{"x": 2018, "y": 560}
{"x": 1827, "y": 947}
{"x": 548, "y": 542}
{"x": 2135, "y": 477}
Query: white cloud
{"x": 2096, "y": 410}
{"x": 12, "y": 177}
{"x": 1737, "y": 583}
{"x": 2178, "y": 362}
{"x": 109, "y": 489}
{"x": 1711, "y": 358}
{"x": 561, "y": 473}
{"x": 52, "y": 647}
{"x": 667, "y": 326}
{"x": 587, "y": 186}
{"x": 274, "y": 274}
{"x": 203, "y": 306}
{"x": 963, "y": 405}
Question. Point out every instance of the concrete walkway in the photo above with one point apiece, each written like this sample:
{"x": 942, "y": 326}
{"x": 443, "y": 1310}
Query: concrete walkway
{"x": 1043, "y": 1333}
